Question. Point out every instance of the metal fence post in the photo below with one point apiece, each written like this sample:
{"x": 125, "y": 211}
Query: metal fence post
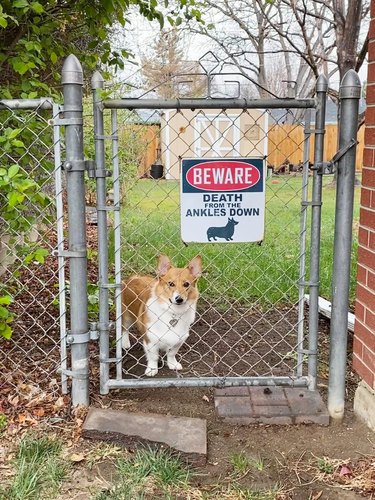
{"x": 97, "y": 83}
{"x": 350, "y": 93}
{"x": 72, "y": 81}
{"x": 316, "y": 209}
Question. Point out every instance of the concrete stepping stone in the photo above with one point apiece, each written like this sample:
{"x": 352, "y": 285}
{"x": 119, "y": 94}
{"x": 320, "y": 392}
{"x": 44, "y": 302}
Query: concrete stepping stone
{"x": 187, "y": 436}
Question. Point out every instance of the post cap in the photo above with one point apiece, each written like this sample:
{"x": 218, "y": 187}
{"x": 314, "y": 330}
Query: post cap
{"x": 72, "y": 71}
{"x": 322, "y": 84}
{"x": 350, "y": 87}
{"x": 97, "y": 81}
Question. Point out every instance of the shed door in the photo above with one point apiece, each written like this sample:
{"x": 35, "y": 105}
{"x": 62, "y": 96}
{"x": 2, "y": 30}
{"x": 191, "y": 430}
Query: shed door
{"x": 217, "y": 135}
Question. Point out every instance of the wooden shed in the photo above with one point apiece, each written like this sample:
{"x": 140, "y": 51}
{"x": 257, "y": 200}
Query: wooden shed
{"x": 211, "y": 134}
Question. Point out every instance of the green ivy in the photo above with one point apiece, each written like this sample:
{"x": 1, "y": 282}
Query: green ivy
{"x": 35, "y": 38}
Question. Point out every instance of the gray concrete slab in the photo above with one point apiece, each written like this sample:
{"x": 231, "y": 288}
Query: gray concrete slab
{"x": 270, "y": 405}
{"x": 187, "y": 436}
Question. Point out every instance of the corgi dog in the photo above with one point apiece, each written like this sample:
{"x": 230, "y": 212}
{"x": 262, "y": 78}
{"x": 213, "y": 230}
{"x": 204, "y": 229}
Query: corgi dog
{"x": 162, "y": 309}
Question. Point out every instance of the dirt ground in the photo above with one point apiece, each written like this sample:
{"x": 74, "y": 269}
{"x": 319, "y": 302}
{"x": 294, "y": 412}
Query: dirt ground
{"x": 291, "y": 454}
{"x": 287, "y": 451}
{"x": 236, "y": 342}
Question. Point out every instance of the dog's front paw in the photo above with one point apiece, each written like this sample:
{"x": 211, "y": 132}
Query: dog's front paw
{"x": 151, "y": 372}
{"x": 125, "y": 341}
{"x": 174, "y": 365}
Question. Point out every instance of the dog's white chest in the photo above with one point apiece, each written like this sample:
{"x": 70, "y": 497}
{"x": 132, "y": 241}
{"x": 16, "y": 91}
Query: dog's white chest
{"x": 168, "y": 325}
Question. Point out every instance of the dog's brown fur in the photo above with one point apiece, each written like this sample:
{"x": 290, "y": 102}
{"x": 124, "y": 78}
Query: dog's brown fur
{"x": 137, "y": 290}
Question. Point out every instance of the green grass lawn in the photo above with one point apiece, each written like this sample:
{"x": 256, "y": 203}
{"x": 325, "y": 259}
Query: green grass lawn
{"x": 246, "y": 273}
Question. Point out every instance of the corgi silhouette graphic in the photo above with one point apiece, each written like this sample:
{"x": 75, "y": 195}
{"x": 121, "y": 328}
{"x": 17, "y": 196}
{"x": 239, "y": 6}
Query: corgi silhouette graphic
{"x": 225, "y": 232}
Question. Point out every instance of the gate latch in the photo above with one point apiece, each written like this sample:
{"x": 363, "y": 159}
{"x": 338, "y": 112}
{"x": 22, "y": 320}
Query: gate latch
{"x": 328, "y": 167}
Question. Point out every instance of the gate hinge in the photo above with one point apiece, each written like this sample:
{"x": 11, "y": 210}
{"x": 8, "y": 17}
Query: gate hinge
{"x": 328, "y": 167}
{"x": 83, "y": 338}
{"x": 85, "y": 165}
{"x": 95, "y": 173}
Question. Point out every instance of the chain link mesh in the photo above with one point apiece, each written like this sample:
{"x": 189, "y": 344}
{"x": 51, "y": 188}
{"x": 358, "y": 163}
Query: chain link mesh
{"x": 31, "y": 357}
{"x": 247, "y": 319}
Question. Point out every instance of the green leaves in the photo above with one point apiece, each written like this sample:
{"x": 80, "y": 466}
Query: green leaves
{"x": 6, "y": 317}
{"x": 20, "y": 4}
{"x": 13, "y": 171}
{"x": 37, "y": 7}
{"x": 21, "y": 67}
{"x": 37, "y": 255}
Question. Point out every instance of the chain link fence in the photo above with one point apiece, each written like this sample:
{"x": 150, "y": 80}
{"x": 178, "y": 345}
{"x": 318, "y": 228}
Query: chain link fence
{"x": 32, "y": 306}
{"x": 251, "y": 325}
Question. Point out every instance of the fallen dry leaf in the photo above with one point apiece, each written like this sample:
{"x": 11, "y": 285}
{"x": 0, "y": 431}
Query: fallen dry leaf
{"x": 38, "y": 412}
{"x": 76, "y": 457}
{"x": 317, "y": 496}
{"x": 345, "y": 471}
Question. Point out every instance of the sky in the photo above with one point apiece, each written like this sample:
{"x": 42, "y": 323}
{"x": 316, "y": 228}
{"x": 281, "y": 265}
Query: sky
{"x": 140, "y": 35}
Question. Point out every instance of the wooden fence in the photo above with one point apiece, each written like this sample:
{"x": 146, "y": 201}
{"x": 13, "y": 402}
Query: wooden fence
{"x": 285, "y": 144}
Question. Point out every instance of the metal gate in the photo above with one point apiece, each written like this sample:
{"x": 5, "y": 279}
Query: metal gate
{"x": 252, "y": 327}
{"x": 251, "y": 322}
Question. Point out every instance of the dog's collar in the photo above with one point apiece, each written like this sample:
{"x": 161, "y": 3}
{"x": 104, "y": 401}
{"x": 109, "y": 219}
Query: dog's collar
{"x": 174, "y": 321}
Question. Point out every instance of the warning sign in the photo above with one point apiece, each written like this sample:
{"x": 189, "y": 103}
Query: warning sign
{"x": 222, "y": 200}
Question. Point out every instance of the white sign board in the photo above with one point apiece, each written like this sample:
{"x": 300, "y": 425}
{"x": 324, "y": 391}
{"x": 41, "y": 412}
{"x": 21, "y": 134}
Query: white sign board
{"x": 222, "y": 200}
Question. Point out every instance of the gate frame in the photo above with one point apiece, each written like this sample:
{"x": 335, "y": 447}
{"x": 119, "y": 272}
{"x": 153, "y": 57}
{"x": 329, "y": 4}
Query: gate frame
{"x": 104, "y": 324}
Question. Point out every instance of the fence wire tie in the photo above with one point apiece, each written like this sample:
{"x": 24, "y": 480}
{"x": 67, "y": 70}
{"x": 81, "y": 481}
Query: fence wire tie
{"x": 107, "y": 208}
{"x": 106, "y": 137}
{"x": 311, "y": 203}
{"x": 308, "y": 283}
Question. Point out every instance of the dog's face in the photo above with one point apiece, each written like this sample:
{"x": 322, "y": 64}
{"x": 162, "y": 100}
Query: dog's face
{"x": 232, "y": 221}
{"x": 178, "y": 285}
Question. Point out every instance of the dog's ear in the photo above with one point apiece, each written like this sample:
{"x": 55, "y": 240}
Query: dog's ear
{"x": 164, "y": 265}
{"x": 195, "y": 266}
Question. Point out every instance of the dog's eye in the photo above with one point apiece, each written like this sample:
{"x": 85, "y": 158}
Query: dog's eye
{"x": 171, "y": 284}
{"x": 186, "y": 284}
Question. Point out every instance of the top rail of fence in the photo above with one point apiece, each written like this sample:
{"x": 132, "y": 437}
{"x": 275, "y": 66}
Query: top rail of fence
{"x": 26, "y": 104}
{"x": 132, "y": 103}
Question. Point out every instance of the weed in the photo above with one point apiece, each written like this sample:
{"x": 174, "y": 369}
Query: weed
{"x": 258, "y": 464}
{"x": 240, "y": 462}
{"x": 38, "y": 468}
{"x": 3, "y": 422}
{"x": 162, "y": 466}
{"x": 324, "y": 465}
{"x": 146, "y": 473}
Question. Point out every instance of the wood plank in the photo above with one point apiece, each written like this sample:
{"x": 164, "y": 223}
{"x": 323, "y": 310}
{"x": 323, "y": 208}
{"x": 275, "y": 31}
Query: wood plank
{"x": 325, "y": 308}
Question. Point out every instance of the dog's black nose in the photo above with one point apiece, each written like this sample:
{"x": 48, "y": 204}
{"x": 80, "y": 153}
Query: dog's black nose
{"x": 179, "y": 299}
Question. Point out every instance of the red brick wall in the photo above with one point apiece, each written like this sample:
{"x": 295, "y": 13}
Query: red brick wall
{"x": 364, "y": 330}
